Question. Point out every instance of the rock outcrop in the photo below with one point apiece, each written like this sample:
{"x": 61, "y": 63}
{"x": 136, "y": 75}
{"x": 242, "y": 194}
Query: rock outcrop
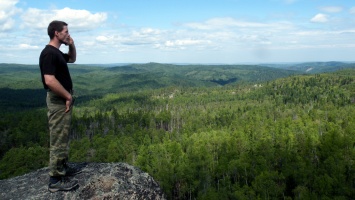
{"x": 97, "y": 181}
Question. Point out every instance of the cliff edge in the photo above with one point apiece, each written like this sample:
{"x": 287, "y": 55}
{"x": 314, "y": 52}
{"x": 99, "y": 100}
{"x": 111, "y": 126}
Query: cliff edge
{"x": 97, "y": 181}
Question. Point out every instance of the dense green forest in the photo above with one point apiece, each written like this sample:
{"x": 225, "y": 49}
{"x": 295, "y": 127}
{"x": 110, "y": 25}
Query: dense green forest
{"x": 203, "y": 132}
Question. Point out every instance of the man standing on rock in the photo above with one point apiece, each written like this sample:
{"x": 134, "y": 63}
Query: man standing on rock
{"x": 57, "y": 81}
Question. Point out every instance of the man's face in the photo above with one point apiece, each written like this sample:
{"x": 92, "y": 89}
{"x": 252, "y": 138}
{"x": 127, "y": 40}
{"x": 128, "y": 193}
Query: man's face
{"x": 63, "y": 36}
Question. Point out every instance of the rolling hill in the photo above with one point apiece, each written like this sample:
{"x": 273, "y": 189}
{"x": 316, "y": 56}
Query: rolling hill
{"x": 19, "y": 81}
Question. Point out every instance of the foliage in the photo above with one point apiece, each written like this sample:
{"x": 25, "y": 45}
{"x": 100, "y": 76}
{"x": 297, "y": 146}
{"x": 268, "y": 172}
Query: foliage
{"x": 288, "y": 138}
{"x": 93, "y": 82}
{"x": 18, "y": 161}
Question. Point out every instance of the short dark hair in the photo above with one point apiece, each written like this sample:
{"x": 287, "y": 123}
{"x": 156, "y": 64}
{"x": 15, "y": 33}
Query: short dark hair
{"x": 55, "y": 26}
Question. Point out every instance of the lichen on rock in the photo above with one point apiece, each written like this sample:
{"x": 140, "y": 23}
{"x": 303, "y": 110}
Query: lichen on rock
{"x": 97, "y": 181}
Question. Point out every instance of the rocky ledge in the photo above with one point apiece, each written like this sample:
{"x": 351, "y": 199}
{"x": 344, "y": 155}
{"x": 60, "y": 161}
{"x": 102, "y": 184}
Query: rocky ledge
{"x": 97, "y": 181}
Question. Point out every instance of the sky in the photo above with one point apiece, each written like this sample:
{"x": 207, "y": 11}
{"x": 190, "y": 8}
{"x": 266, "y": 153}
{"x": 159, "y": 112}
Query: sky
{"x": 183, "y": 31}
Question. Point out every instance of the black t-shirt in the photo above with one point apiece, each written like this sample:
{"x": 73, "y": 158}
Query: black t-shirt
{"x": 53, "y": 62}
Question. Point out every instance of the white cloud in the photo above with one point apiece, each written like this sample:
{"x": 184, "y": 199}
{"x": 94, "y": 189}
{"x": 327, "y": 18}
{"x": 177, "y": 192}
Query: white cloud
{"x": 36, "y": 18}
{"x": 79, "y": 20}
{"x": 216, "y": 38}
{"x": 320, "y": 18}
{"x": 217, "y": 23}
{"x": 8, "y": 10}
{"x": 184, "y": 42}
{"x": 332, "y": 9}
{"x": 102, "y": 38}
{"x": 143, "y": 36}
{"x": 27, "y": 47}
{"x": 223, "y": 33}
{"x": 150, "y": 31}
{"x": 309, "y": 33}
{"x": 155, "y": 39}
{"x": 231, "y": 23}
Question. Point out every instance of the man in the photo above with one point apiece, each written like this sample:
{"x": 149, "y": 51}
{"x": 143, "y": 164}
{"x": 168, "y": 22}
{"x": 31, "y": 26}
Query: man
{"x": 57, "y": 81}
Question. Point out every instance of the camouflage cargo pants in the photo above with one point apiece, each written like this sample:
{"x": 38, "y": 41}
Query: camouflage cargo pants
{"x": 59, "y": 127}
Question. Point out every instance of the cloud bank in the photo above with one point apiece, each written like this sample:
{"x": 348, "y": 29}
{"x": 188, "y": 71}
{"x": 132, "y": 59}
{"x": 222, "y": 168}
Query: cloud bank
{"x": 104, "y": 36}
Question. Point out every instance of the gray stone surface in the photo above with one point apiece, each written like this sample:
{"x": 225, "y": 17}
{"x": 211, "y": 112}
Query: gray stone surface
{"x": 97, "y": 181}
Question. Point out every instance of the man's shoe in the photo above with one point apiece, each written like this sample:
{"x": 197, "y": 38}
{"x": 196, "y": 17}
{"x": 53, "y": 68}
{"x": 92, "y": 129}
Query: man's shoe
{"x": 63, "y": 184}
{"x": 71, "y": 171}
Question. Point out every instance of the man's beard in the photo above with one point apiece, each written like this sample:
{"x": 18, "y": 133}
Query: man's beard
{"x": 63, "y": 42}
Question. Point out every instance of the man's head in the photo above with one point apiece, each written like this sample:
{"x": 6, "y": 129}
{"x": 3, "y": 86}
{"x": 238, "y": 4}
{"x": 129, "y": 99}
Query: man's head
{"x": 58, "y": 31}
{"x": 55, "y": 26}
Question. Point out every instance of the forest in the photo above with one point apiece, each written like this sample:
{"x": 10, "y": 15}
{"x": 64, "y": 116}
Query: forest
{"x": 202, "y": 132}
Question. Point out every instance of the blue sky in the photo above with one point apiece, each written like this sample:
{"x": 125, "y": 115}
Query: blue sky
{"x": 183, "y": 31}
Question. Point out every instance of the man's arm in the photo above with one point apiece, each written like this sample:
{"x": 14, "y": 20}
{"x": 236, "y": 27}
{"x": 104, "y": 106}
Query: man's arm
{"x": 72, "y": 51}
{"x": 57, "y": 88}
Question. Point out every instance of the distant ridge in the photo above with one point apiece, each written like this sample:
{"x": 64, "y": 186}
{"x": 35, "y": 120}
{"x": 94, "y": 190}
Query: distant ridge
{"x": 99, "y": 79}
{"x": 107, "y": 65}
{"x": 314, "y": 67}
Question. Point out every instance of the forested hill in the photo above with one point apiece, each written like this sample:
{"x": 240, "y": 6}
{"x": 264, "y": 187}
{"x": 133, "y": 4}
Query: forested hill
{"x": 92, "y": 80}
{"x": 314, "y": 67}
{"x": 291, "y": 137}
{"x": 216, "y": 74}
{"x": 150, "y": 75}
{"x": 21, "y": 87}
